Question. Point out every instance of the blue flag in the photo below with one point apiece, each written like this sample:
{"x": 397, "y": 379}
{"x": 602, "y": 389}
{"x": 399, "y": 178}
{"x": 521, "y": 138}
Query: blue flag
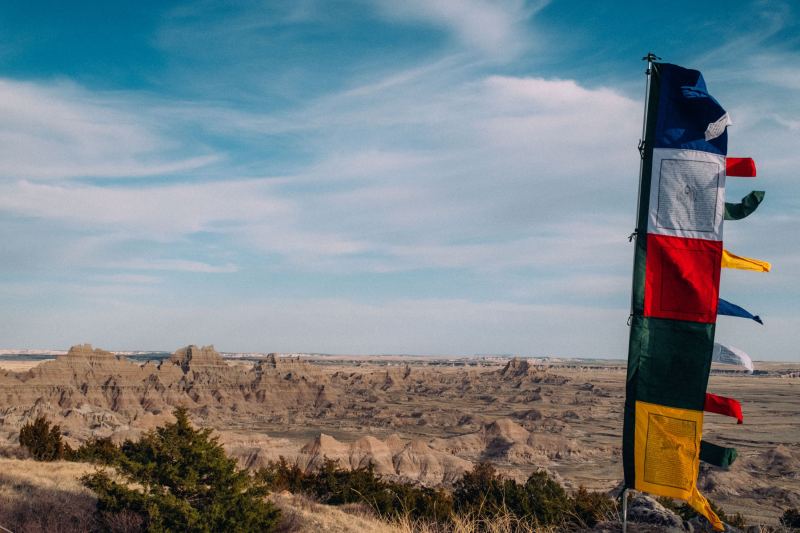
{"x": 688, "y": 117}
{"x": 729, "y": 309}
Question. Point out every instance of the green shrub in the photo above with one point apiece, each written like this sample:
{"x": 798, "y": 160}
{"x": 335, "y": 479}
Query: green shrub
{"x": 541, "y": 501}
{"x": 330, "y": 484}
{"x": 42, "y": 441}
{"x": 485, "y": 494}
{"x": 544, "y": 500}
{"x": 97, "y": 450}
{"x": 177, "y": 478}
{"x": 336, "y": 486}
{"x": 589, "y": 508}
{"x": 280, "y": 475}
{"x": 481, "y": 495}
{"x": 479, "y": 492}
{"x": 791, "y": 518}
{"x": 421, "y": 503}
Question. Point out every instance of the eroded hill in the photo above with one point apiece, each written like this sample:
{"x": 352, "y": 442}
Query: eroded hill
{"x": 413, "y": 420}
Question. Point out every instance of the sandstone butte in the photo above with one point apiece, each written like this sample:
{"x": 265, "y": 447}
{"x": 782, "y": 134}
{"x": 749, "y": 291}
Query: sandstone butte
{"x": 92, "y": 392}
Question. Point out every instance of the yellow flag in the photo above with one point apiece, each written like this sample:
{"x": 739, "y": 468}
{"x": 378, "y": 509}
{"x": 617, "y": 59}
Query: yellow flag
{"x": 667, "y": 455}
{"x": 730, "y": 260}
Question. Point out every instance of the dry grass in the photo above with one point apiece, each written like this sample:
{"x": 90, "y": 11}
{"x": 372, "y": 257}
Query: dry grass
{"x": 39, "y": 497}
{"x": 504, "y": 523}
{"x": 302, "y": 514}
{"x": 48, "y": 497}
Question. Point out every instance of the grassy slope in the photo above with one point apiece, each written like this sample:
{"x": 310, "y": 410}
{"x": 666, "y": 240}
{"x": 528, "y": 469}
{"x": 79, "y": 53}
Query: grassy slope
{"x": 48, "y": 497}
{"x": 38, "y": 496}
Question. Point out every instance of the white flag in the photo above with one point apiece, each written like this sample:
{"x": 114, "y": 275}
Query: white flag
{"x": 717, "y": 128}
{"x": 729, "y": 355}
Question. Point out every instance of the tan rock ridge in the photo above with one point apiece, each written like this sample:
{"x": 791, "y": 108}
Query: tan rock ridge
{"x": 395, "y": 458}
{"x": 192, "y": 357}
{"x": 430, "y": 462}
{"x": 93, "y": 392}
{"x": 86, "y": 351}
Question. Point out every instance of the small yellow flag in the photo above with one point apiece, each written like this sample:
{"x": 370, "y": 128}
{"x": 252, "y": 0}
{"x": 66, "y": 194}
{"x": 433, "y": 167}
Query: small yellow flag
{"x": 730, "y": 260}
{"x": 667, "y": 455}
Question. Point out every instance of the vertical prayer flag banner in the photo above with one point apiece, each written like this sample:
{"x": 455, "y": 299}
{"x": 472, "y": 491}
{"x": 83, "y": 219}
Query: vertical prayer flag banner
{"x": 675, "y": 284}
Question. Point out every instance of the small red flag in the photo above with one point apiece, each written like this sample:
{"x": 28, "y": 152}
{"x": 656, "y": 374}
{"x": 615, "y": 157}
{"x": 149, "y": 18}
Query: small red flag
{"x": 741, "y": 167}
{"x": 724, "y": 406}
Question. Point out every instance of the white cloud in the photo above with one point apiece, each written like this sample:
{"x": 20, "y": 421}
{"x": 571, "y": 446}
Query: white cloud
{"x": 490, "y": 186}
{"x": 496, "y": 29}
{"x": 178, "y": 265}
{"x": 131, "y": 279}
{"x": 60, "y": 130}
{"x": 502, "y": 170}
{"x": 250, "y": 213}
{"x": 153, "y": 212}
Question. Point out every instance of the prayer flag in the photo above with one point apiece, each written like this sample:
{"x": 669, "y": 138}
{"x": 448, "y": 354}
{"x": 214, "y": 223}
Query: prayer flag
{"x": 675, "y": 285}
{"x": 730, "y": 260}
{"x": 717, "y": 455}
{"x": 729, "y": 355}
{"x": 748, "y": 204}
{"x": 726, "y": 308}
{"x": 742, "y": 167}
{"x": 724, "y": 406}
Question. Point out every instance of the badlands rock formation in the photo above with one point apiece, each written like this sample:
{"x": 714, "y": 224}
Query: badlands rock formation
{"x": 415, "y": 419}
{"x": 92, "y": 392}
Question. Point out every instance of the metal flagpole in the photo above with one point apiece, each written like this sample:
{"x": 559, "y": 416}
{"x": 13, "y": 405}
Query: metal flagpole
{"x": 650, "y": 57}
{"x": 625, "y": 510}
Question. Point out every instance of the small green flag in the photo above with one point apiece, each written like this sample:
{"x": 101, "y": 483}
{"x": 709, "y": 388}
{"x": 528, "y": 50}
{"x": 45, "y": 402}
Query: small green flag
{"x": 748, "y": 204}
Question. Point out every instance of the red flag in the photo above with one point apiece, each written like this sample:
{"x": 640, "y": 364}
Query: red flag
{"x": 682, "y": 278}
{"x": 724, "y": 406}
{"x": 742, "y": 167}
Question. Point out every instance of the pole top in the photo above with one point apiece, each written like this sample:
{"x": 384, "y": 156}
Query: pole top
{"x": 650, "y": 57}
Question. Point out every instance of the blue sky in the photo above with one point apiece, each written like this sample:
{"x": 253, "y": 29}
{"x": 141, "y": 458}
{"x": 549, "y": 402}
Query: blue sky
{"x": 452, "y": 176}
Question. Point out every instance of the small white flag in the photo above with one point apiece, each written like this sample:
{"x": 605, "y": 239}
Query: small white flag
{"x": 728, "y": 355}
{"x": 717, "y": 128}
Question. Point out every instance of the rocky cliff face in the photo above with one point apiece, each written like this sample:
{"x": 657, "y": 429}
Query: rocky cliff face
{"x": 194, "y": 358}
{"x": 85, "y": 351}
{"x": 92, "y": 392}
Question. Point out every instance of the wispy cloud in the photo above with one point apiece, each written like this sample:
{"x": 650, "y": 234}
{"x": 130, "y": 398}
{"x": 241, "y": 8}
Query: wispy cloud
{"x": 483, "y": 191}
{"x": 132, "y": 279}
{"x": 60, "y": 130}
{"x": 176, "y": 265}
{"x": 496, "y": 30}
{"x": 160, "y": 212}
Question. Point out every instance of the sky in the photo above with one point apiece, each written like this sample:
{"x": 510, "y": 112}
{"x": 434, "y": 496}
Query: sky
{"x": 369, "y": 176}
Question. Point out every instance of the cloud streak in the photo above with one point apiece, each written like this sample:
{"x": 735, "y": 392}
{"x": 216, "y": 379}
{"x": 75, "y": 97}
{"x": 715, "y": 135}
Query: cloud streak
{"x": 496, "y": 30}
{"x": 59, "y": 130}
{"x": 488, "y": 176}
